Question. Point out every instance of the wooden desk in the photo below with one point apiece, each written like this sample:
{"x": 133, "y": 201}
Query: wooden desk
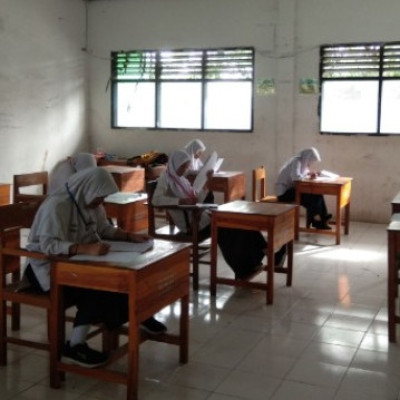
{"x": 4, "y": 193}
{"x": 153, "y": 281}
{"x": 278, "y": 220}
{"x": 339, "y": 187}
{"x": 128, "y": 179}
{"x": 231, "y": 183}
{"x": 396, "y": 204}
{"x": 393, "y": 231}
{"x": 129, "y": 209}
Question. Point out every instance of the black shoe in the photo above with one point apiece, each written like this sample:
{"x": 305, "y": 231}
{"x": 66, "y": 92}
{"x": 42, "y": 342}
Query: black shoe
{"x": 81, "y": 354}
{"x": 153, "y": 327}
{"x": 327, "y": 217}
{"x": 280, "y": 257}
{"x": 246, "y": 276}
{"x": 321, "y": 225}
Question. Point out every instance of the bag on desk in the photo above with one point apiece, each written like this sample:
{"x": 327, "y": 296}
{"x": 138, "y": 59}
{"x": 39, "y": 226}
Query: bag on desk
{"x": 147, "y": 159}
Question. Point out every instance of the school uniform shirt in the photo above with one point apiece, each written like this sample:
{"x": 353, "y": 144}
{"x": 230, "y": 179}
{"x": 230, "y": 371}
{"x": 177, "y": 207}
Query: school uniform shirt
{"x": 60, "y": 223}
{"x": 295, "y": 169}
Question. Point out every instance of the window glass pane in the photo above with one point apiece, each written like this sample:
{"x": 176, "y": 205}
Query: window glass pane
{"x": 180, "y": 105}
{"x": 390, "y": 116}
{"x": 135, "y": 105}
{"x": 349, "y": 106}
{"x": 228, "y": 105}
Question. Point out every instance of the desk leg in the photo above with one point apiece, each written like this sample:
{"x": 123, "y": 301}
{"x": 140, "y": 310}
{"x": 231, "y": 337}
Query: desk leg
{"x": 56, "y": 334}
{"x": 270, "y": 271}
{"x": 347, "y": 219}
{"x": 133, "y": 350}
{"x": 289, "y": 276}
{"x": 338, "y": 220}
{"x": 392, "y": 282}
{"x": 184, "y": 331}
{"x": 213, "y": 266}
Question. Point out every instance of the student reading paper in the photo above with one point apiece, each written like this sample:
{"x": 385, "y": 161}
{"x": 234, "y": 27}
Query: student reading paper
{"x": 243, "y": 250}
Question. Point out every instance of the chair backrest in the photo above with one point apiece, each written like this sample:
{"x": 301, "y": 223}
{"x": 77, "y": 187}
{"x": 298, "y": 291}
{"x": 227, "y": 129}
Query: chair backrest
{"x": 39, "y": 179}
{"x": 259, "y": 183}
{"x": 150, "y": 188}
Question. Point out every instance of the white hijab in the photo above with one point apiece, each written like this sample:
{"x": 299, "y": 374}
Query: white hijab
{"x": 308, "y": 156}
{"x": 66, "y": 168}
{"x": 179, "y": 185}
{"x": 192, "y": 148}
{"x": 84, "y": 187}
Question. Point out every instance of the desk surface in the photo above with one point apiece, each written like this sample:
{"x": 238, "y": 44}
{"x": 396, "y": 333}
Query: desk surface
{"x": 253, "y": 208}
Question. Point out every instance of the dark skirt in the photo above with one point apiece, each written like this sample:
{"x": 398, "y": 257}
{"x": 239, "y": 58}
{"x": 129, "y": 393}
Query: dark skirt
{"x": 243, "y": 250}
{"x": 313, "y": 203}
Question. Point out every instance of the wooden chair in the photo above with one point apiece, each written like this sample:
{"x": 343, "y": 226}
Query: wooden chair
{"x": 199, "y": 240}
{"x": 14, "y": 218}
{"x": 260, "y": 186}
{"x": 39, "y": 179}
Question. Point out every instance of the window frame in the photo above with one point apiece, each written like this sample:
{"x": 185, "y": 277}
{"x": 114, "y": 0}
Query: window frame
{"x": 375, "y": 65}
{"x": 203, "y": 76}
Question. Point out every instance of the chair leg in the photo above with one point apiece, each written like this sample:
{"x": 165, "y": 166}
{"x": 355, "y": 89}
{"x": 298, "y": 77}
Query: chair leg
{"x": 3, "y": 333}
{"x": 15, "y": 316}
{"x": 195, "y": 265}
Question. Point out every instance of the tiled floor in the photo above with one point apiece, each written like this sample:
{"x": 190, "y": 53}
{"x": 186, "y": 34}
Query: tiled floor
{"x": 324, "y": 338}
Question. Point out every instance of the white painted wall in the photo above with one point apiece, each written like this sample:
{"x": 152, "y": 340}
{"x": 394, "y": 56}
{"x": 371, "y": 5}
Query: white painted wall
{"x": 42, "y": 84}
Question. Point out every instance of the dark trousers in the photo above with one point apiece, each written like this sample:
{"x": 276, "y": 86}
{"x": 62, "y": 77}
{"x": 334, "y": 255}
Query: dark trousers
{"x": 313, "y": 203}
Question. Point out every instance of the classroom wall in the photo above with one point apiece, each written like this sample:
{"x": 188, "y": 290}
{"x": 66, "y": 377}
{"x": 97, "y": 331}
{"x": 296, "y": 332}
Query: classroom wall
{"x": 43, "y": 84}
{"x": 55, "y": 100}
{"x": 287, "y": 35}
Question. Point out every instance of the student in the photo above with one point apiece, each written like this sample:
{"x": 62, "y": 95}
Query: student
{"x": 72, "y": 222}
{"x": 243, "y": 250}
{"x": 298, "y": 167}
{"x": 195, "y": 148}
{"x": 64, "y": 169}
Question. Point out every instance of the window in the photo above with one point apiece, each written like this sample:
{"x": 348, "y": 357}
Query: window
{"x": 183, "y": 89}
{"x": 360, "y": 88}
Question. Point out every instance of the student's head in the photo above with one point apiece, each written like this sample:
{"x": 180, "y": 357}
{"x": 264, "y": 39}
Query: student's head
{"x": 195, "y": 148}
{"x": 309, "y": 156}
{"x": 179, "y": 162}
{"x": 91, "y": 185}
{"x": 82, "y": 161}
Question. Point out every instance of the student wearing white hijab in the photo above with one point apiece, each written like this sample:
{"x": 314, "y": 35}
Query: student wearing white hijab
{"x": 72, "y": 222}
{"x": 195, "y": 148}
{"x": 298, "y": 167}
{"x": 243, "y": 250}
{"x": 64, "y": 169}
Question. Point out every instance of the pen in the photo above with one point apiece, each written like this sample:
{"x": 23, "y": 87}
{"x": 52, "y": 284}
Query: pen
{"x": 97, "y": 236}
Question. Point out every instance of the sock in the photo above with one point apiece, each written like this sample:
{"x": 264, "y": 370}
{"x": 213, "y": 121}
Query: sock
{"x": 79, "y": 334}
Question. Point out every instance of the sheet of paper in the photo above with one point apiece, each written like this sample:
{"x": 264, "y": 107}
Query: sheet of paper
{"x": 328, "y": 174}
{"x": 119, "y": 246}
{"x": 218, "y": 164}
{"x": 125, "y": 197}
{"x": 201, "y": 177}
{"x": 121, "y": 257}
